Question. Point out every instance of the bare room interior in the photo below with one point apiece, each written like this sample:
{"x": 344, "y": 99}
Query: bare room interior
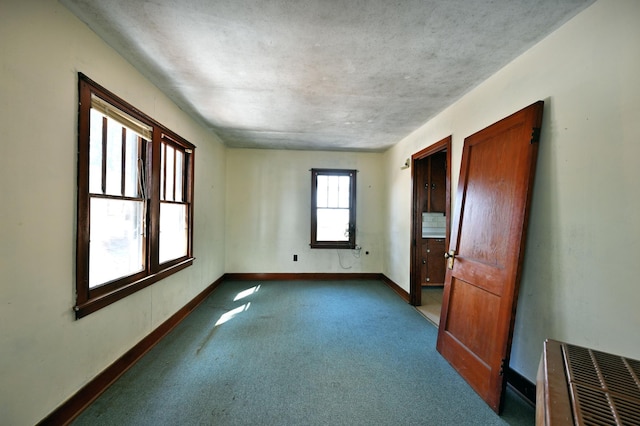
{"x": 238, "y": 109}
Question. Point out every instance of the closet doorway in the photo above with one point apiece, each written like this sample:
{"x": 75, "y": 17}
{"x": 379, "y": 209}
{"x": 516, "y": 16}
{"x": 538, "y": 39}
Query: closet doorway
{"x": 430, "y": 224}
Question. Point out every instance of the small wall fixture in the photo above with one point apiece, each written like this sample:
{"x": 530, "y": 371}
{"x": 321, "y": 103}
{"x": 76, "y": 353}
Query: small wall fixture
{"x": 406, "y": 165}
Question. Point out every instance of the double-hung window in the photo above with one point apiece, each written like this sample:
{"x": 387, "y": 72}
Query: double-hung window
{"x": 135, "y": 200}
{"x": 333, "y": 208}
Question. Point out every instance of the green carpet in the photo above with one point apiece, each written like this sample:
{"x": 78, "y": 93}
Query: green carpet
{"x": 298, "y": 353}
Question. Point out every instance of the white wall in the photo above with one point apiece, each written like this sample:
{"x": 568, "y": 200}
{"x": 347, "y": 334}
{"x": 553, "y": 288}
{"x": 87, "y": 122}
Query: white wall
{"x": 268, "y": 212}
{"x": 46, "y": 355}
{"x": 581, "y": 269}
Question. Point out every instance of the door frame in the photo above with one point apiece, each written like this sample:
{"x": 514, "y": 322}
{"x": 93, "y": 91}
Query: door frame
{"x": 444, "y": 145}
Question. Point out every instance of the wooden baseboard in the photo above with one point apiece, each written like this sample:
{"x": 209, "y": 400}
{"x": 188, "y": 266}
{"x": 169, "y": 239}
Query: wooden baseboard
{"x": 318, "y": 276}
{"x": 522, "y": 386}
{"x": 395, "y": 287}
{"x": 69, "y": 410}
{"x": 314, "y": 276}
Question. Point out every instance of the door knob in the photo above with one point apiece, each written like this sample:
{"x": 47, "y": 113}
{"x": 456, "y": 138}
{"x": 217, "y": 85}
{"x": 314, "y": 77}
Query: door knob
{"x": 450, "y": 256}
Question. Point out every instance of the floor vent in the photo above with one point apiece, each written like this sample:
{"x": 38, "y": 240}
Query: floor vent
{"x": 605, "y": 388}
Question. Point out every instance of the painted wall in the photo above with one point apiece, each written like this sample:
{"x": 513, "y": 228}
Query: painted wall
{"x": 46, "y": 355}
{"x": 581, "y": 269}
{"x": 268, "y": 212}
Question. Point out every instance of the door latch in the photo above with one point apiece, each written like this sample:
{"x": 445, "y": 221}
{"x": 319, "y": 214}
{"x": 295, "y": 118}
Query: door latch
{"x": 450, "y": 256}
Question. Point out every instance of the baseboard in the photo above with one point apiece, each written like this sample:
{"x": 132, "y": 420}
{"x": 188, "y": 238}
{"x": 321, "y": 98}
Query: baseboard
{"x": 318, "y": 276}
{"x": 300, "y": 276}
{"x": 69, "y": 410}
{"x": 395, "y": 287}
{"x": 522, "y": 386}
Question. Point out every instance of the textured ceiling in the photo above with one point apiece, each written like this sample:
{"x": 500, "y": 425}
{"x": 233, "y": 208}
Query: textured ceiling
{"x": 319, "y": 74}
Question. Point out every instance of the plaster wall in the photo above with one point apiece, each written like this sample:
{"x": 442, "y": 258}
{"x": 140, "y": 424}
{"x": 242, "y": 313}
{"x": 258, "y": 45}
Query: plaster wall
{"x": 581, "y": 265}
{"x": 45, "y": 354}
{"x": 268, "y": 212}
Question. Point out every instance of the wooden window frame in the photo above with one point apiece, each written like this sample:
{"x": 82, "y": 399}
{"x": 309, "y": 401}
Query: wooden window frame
{"x": 89, "y": 300}
{"x": 351, "y": 243}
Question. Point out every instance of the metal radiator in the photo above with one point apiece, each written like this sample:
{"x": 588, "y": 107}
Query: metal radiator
{"x": 582, "y": 386}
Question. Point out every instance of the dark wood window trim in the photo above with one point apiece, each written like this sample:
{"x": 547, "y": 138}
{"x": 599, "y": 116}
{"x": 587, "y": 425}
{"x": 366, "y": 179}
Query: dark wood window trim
{"x": 88, "y": 299}
{"x": 351, "y": 242}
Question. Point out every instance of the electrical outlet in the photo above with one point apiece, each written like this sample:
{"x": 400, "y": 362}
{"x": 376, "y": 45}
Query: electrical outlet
{"x": 295, "y": 257}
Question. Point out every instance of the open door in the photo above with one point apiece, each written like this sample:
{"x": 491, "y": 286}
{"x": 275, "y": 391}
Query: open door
{"x": 486, "y": 250}
{"x": 430, "y": 194}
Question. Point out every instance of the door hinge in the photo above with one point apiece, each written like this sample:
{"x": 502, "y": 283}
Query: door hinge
{"x": 535, "y": 135}
{"x": 504, "y": 364}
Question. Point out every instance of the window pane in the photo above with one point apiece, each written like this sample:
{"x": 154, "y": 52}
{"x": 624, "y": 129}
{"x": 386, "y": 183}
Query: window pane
{"x": 332, "y": 191}
{"x": 116, "y": 240}
{"x": 344, "y": 183}
{"x": 162, "y": 166}
{"x": 179, "y": 177}
{"x": 95, "y": 152}
{"x": 114, "y": 158}
{"x": 173, "y": 231}
{"x": 169, "y": 164}
{"x": 321, "y": 192}
{"x": 131, "y": 166}
{"x": 333, "y": 225}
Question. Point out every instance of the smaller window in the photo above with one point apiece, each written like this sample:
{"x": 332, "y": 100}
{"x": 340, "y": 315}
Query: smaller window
{"x": 333, "y": 208}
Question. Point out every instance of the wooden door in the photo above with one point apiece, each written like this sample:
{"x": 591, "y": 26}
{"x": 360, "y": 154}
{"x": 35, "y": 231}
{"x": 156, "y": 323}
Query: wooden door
{"x": 487, "y": 240}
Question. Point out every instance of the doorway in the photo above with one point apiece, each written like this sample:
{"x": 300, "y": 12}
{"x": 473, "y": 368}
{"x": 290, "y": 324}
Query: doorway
{"x": 430, "y": 224}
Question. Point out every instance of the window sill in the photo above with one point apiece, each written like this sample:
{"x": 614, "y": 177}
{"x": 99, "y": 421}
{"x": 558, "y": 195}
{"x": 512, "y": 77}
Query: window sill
{"x": 332, "y": 245}
{"x": 99, "y": 302}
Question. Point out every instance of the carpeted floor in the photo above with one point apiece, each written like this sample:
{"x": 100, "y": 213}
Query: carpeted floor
{"x": 299, "y": 353}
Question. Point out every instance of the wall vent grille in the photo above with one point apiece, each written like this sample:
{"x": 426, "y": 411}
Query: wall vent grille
{"x": 605, "y": 388}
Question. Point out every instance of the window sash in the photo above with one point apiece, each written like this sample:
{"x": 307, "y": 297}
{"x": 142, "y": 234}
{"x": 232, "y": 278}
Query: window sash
{"x": 174, "y": 231}
{"x": 116, "y": 166}
{"x": 117, "y": 244}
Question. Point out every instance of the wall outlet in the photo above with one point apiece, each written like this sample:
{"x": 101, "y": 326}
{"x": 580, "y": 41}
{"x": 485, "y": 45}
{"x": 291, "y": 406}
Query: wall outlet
{"x": 295, "y": 257}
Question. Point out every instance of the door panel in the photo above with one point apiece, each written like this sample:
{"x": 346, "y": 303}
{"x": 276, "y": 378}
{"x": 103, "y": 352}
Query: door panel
{"x": 468, "y": 300}
{"x": 424, "y": 269}
{"x": 437, "y": 182}
{"x": 487, "y": 237}
{"x": 436, "y": 261}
